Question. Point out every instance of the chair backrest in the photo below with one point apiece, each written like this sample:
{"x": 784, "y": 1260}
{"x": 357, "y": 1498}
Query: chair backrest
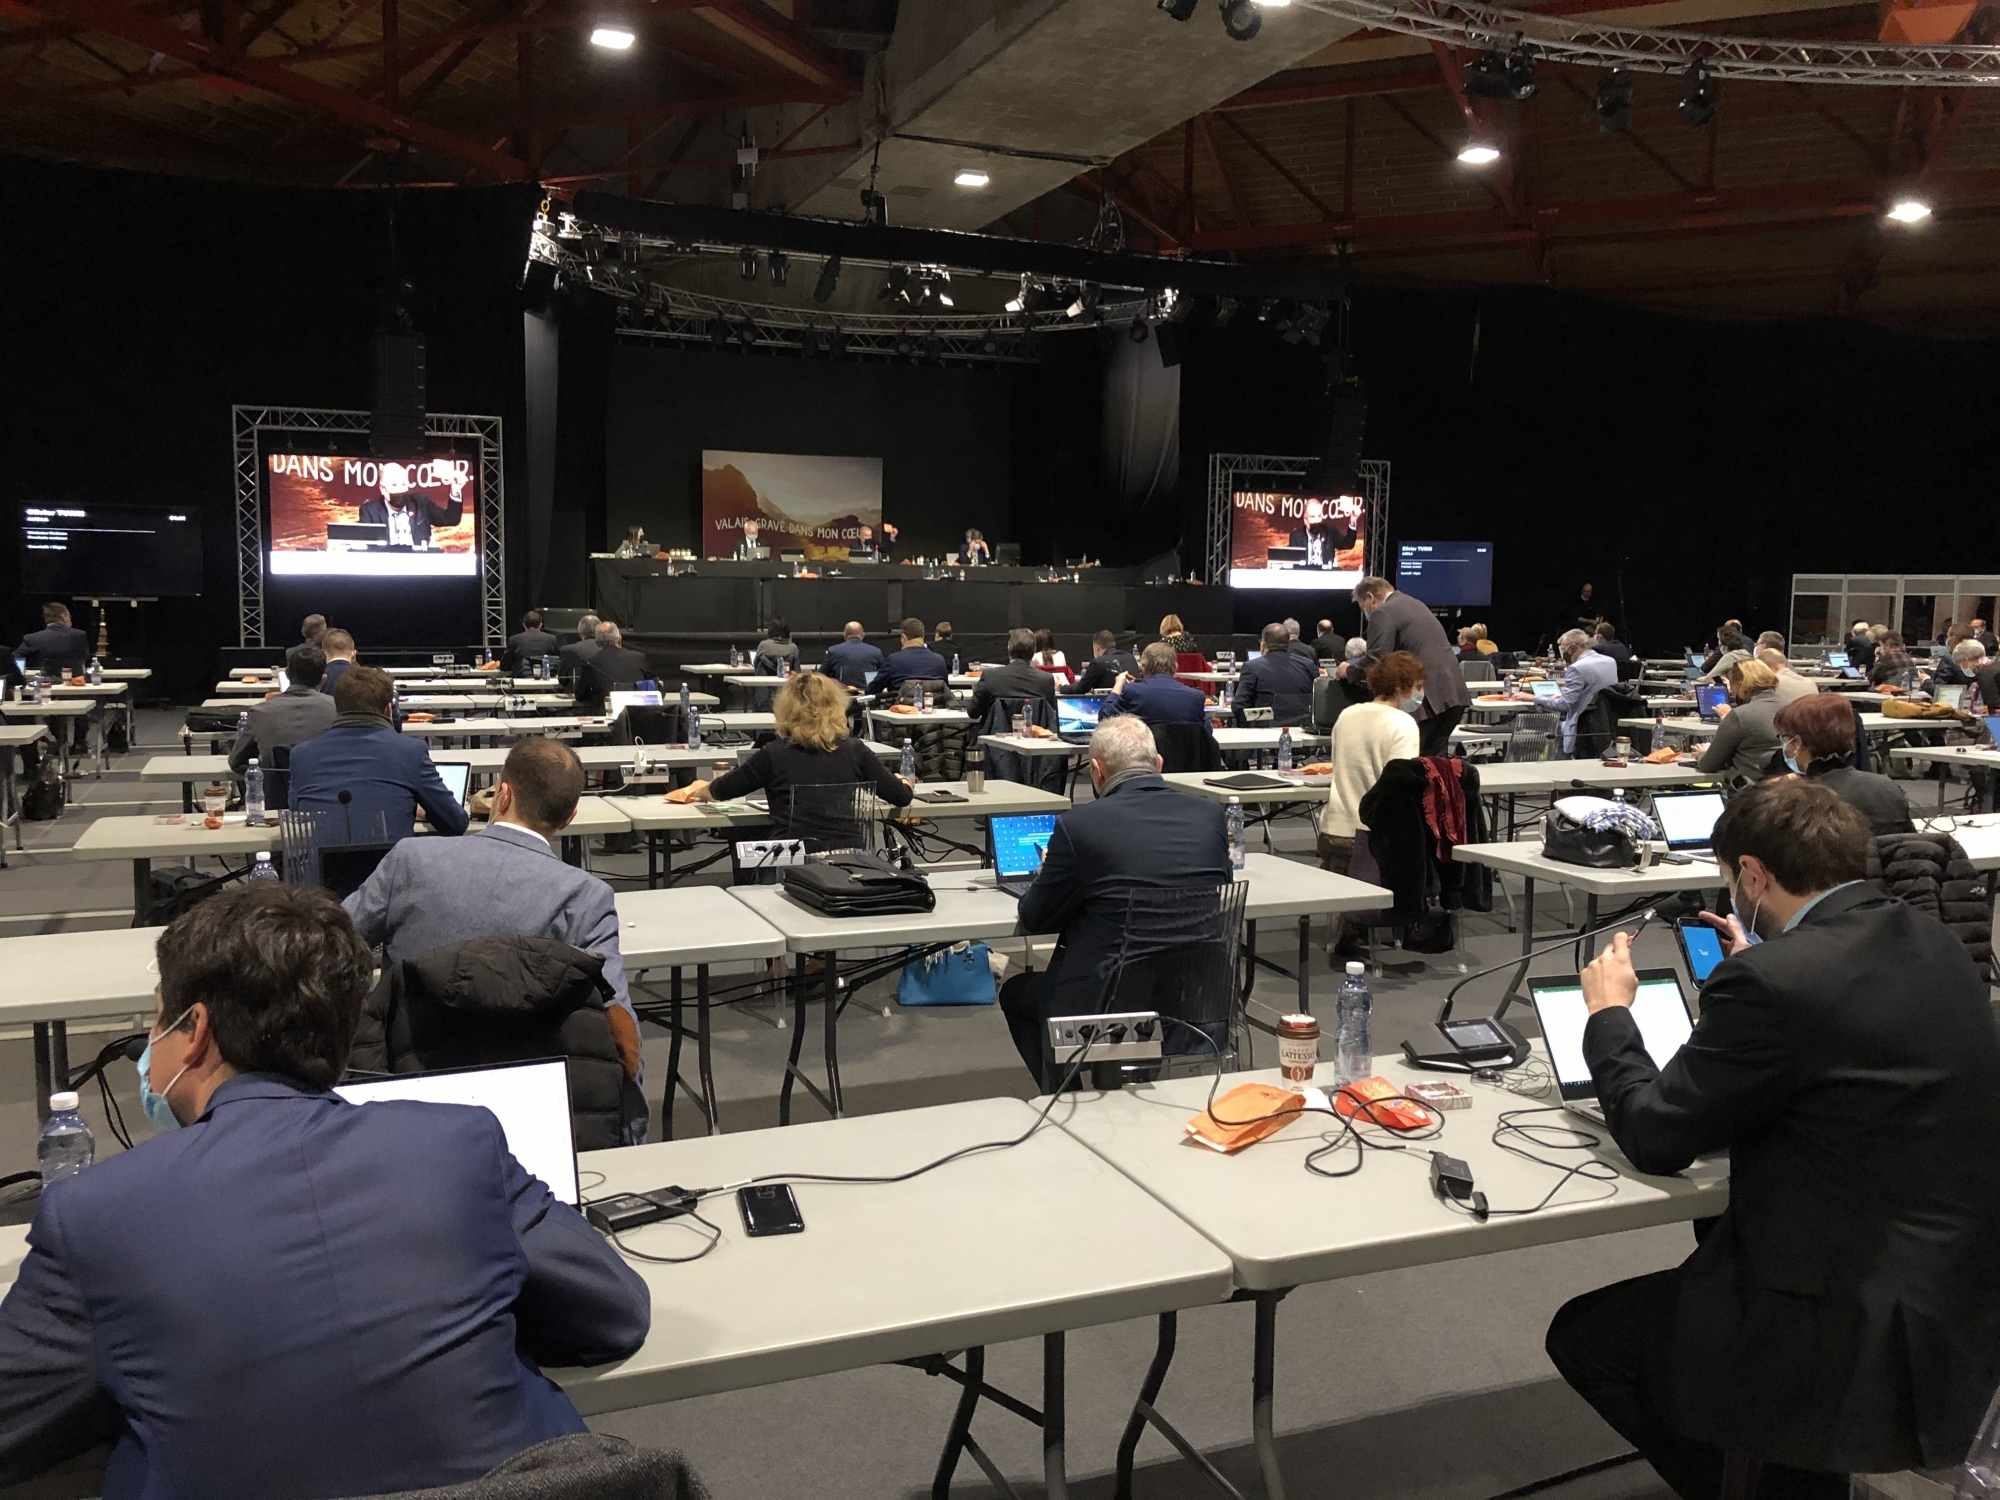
{"x": 277, "y": 766}
{"x": 937, "y": 691}
{"x": 334, "y": 830}
{"x": 647, "y": 724}
{"x": 1479, "y": 670}
{"x": 1534, "y": 737}
{"x": 1178, "y": 955}
{"x": 844, "y": 816}
{"x": 1049, "y": 772}
{"x": 1187, "y": 747}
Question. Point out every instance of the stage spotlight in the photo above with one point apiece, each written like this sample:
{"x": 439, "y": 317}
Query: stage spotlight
{"x": 1139, "y": 332}
{"x": 747, "y": 265}
{"x": 1242, "y": 19}
{"x": 989, "y": 341}
{"x": 1614, "y": 102}
{"x": 1478, "y": 153}
{"x": 1486, "y": 77}
{"x": 1698, "y": 101}
{"x": 971, "y": 177}
{"x": 829, "y": 278}
{"x": 613, "y": 36}
{"x": 896, "y": 284}
{"x": 1909, "y": 209}
{"x": 781, "y": 266}
{"x": 906, "y": 343}
{"x": 1308, "y": 324}
{"x": 1180, "y": 10}
{"x": 1521, "y": 73}
{"x": 1019, "y": 301}
{"x": 1225, "y": 309}
{"x": 1085, "y": 304}
{"x": 746, "y": 333}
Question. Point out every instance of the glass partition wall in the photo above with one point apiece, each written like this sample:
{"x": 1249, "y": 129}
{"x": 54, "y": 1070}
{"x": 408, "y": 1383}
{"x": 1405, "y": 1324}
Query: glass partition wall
{"x": 1921, "y": 607}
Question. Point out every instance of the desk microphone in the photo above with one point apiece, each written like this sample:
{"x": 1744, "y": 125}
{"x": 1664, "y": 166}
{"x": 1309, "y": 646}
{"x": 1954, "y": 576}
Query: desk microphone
{"x": 347, "y": 811}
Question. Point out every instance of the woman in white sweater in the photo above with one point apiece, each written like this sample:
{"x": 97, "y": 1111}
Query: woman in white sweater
{"x": 1366, "y": 737}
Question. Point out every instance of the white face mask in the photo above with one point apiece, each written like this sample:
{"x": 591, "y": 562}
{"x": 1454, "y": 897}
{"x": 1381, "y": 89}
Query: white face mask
{"x": 1749, "y": 923}
{"x": 1411, "y": 704}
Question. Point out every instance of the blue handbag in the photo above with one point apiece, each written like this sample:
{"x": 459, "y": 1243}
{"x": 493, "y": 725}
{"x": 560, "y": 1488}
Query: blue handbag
{"x": 960, "y": 975}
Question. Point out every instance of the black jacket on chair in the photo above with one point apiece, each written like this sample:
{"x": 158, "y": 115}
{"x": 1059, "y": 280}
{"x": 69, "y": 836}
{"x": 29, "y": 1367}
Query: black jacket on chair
{"x": 1144, "y": 834}
{"x": 1930, "y": 872}
{"x": 1049, "y": 772}
{"x": 1406, "y": 851}
{"x": 494, "y": 1000}
{"x": 1843, "y": 1314}
{"x": 1016, "y": 679}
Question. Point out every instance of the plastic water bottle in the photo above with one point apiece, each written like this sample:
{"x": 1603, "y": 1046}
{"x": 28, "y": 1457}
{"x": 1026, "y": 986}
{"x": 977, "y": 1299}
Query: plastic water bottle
{"x": 253, "y": 794}
{"x": 242, "y": 721}
{"x": 784, "y": 666}
{"x": 95, "y": 673}
{"x": 687, "y": 701}
{"x": 1353, "y": 1055}
{"x": 1618, "y": 795}
{"x": 954, "y": 664}
{"x": 263, "y": 869}
{"x": 1233, "y": 823}
{"x": 66, "y": 1145}
{"x": 42, "y": 692}
{"x": 1284, "y": 750}
{"x": 693, "y": 722}
{"x": 908, "y": 767}
{"x": 735, "y": 657}
{"x": 923, "y": 699}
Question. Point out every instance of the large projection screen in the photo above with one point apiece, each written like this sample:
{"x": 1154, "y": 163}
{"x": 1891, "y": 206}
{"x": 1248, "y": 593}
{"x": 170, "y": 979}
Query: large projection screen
{"x": 810, "y": 503}
{"x": 1296, "y": 541}
{"x": 336, "y": 515}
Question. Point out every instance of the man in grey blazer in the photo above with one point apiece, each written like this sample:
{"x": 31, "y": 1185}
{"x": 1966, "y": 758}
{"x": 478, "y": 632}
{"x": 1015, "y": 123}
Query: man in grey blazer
{"x": 508, "y": 881}
{"x": 1396, "y": 622}
{"x": 294, "y": 716}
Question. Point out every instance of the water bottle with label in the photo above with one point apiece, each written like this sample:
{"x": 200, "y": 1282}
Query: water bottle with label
{"x": 242, "y": 722}
{"x": 735, "y": 657}
{"x": 693, "y": 722}
{"x": 687, "y": 702}
{"x": 95, "y": 672}
{"x": 66, "y": 1145}
{"x": 954, "y": 664}
{"x": 253, "y": 794}
{"x": 923, "y": 702}
{"x": 42, "y": 692}
{"x": 1353, "y": 1054}
{"x": 907, "y": 769}
{"x": 1233, "y": 823}
{"x": 1284, "y": 750}
{"x": 263, "y": 869}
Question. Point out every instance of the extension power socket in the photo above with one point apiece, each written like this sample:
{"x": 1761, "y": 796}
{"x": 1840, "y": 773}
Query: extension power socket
{"x": 1117, "y": 1036}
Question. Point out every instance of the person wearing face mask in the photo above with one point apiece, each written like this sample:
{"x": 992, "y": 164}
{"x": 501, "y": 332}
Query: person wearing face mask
{"x": 290, "y": 1294}
{"x": 1397, "y": 622}
{"x": 1137, "y": 833}
{"x": 1366, "y": 737}
{"x": 1816, "y": 738}
{"x": 1746, "y": 741}
{"x": 1842, "y": 1315}
{"x": 1586, "y": 673}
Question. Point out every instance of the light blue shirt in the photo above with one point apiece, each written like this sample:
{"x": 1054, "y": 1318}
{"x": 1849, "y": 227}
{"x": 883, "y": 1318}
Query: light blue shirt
{"x": 1583, "y": 679}
{"x": 1800, "y": 915}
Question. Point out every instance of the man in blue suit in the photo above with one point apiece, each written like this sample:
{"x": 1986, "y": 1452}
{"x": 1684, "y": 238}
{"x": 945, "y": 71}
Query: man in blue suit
{"x": 289, "y": 1294}
{"x": 427, "y": 893}
{"x": 916, "y": 662}
{"x": 1156, "y": 697}
{"x": 58, "y": 649}
{"x": 1139, "y": 833}
{"x": 853, "y": 658}
{"x": 362, "y": 754}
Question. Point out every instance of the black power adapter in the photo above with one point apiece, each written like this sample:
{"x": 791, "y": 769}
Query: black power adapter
{"x": 623, "y": 1211}
{"x": 1451, "y": 1179}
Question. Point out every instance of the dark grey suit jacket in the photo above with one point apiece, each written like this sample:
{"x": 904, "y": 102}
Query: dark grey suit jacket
{"x": 1402, "y": 623}
{"x": 291, "y": 718}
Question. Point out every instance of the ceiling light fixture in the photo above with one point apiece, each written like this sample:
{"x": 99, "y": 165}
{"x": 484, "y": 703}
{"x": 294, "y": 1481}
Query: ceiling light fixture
{"x": 1477, "y": 153}
{"x": 1909, "y": 209}
{"x": 1698, "y": 100}
{"x": 613, "y": 37}
{"x": 829, "y": 278}
{"x": 1242, "y": 19}
{"x": 1521, "y": 84}
{"x": 747, "y": 265}
{"x": 1486, "y": 77}
{"x": 971, "y": 177}
{"x": 780, "y": 264}
{"x": 1614, "y": 102}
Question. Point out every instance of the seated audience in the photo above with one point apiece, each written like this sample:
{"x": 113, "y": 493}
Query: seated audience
{"x": 1984, "y": 636}
{"x": 340, "y": 654}
{"x": 1109, "y": 661}
{"x": 1747, "y": 739}
{"x": 1179, "y": 640}
{"x": 778, "y": 645}
{"x": 1861, "y": 645}
{"x": 1731, "y": 647}
{"x": 1952, "y": 666}
{"x": 915, "y": 662}
{"x": 384, "y": 772}
{"x": 1156, "y": 696}
{"x": 1138, "y": 833}
{"x": 58, "y": 649}
{"x": 813, "y": 749}
{"x": 1816, "y": 736}
{"x": 313, "y": 628}
{"x": 529, "y": 645}
{"x": 1366, "y": 737}
{"x": 287, "y": 1294}
{"x": 1891, "y": 661}
{"x": 1608, "y": 644}
{"x": 1298, "y": 647}
{"x": 1278, "y": 680}
{"x": 852, "y": 658}
{"x": 1791, "y": 687}
{"x": 613, "y": 667}
{"x": 1021, "y": 677}
{"x": 1468, "y": 645}
{"x": 1841, "y": 1316}
{"x": 508, "y": 880}
{"x": 943, "y": 641}
{"x": 1327, "y": 644}
{"x": 1482, "y": 641}
{"x": 1046, "y": 656}
{"x": 1586, "y": 673}
{"x": 287, "y": 719}
{"x": 1985, "y": 674}
{"x": 580, "y": 650}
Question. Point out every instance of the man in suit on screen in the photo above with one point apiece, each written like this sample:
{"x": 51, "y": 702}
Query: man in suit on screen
{"x": 410, "y": 517}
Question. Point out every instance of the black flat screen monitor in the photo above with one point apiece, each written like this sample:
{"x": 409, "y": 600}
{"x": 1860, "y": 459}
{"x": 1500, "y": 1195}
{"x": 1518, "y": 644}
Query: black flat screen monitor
{"x": 93, "y": 551}
{"x": 1446, "y": 575}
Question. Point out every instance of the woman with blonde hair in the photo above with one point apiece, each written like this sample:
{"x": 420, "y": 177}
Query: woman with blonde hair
{"x": 813, "y": 748}
{"x": 1746, "y": 742}
{"x": 1176, "y": 636}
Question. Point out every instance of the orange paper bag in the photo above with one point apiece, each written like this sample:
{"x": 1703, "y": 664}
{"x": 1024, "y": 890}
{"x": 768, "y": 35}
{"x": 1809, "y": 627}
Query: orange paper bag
{"x": 1244, "y": 1116}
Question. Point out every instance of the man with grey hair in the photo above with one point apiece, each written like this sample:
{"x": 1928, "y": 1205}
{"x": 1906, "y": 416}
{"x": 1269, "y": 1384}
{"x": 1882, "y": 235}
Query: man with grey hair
{"x": 1297, "y": 646}
{"x": 579, "y": 651}
{"x": 1976, "y": 667}
{"x": 1397, "y": 622}
{"x": 1791, "y": 686}
{"x": 1156, "y": 696}
{"x": 611, "y": 667}
{"x": 1586, "y": 674}
{"x": 1138, "y": 833}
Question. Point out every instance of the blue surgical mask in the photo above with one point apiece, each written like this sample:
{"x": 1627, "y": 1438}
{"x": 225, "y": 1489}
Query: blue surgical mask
{"x": 157, "y": 1109}
{"x": 1797, "y": 769}
{"x": 1411, "y": 704}
{"x": 1748, "y": 923}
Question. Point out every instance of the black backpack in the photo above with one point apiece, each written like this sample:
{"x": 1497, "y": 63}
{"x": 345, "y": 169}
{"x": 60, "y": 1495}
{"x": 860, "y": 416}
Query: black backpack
{"x": 42, "y": 801}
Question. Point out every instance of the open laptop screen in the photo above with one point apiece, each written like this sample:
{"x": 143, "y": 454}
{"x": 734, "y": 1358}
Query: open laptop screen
{"x": 1687, "y": 819}
{"x": 1836, "y": 658}
{"x": 1019, "y": 841}
{"x": 1660, "y": 1008}
{"x": 1709, "y": 698}
{"x": 457, "y": 776}
{"x": 530, "y": 1100}
{"x": 1992, "y": 723}
{"x": 1077, "y": 715}
{"x": 1545, "y": 690}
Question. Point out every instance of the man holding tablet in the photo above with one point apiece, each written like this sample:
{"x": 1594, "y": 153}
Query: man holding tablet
{"x": 1843, "y": 1315}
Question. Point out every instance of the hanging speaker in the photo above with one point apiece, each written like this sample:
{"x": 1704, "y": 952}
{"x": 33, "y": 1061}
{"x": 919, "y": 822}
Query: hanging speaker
{"x": 397, "y": 430}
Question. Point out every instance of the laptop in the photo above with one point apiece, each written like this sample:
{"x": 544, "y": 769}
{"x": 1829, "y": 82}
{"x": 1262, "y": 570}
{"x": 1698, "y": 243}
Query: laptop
{"x": 1015, "y": 843}
{"x": 1687, "y": 819}
{"x": 530, "y": 1100}
{"x": 1544, "y": 690}
{"x": 1950, "y": 694}
{"x": 1836, "y": 658}
{"x": 1852, "y": 674}
{"x": 1077, "y": 717}
{"x": 1708, "y": 700}
{"x": 1992, "y": 723}
{"x": 457, "y": 776}
{"x": 615, "y": 703}
{"x": 1660, "y": 1008}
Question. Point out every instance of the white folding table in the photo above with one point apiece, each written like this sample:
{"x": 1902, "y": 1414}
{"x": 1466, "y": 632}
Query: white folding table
{"x": 13, "y": 738}
{"x": 58, "y": 977}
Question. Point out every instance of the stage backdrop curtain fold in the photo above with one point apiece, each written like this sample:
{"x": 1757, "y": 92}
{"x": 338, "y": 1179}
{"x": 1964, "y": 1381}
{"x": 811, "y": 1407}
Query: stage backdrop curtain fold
{"x": 1142, "y": 423}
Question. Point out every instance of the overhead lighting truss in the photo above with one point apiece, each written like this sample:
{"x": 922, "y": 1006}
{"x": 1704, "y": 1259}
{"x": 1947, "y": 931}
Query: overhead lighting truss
{"x": 1581, "y": 42}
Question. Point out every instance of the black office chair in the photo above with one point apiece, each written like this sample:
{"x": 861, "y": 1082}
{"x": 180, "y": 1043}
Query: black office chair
{"x": 820, "y": 819}
{"x": 1048, "y": 772}
{"x": 277, "y": 778}
{"x": 1187, "y": 747}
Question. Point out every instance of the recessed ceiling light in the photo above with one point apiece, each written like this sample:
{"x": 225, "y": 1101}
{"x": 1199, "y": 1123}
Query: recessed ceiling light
{"x": 1273, "y": 4}
{"x": 613, "y": 38}
{"x": 971, "y": 177}
{"x": 1478, "y": 153}
{"x": 1909, "y": 211}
